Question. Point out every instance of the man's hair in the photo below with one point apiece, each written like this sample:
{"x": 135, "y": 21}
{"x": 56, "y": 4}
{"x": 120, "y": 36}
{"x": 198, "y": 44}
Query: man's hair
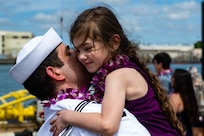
{"x": 39, "y": 83}
{"x": 163, "y": 58}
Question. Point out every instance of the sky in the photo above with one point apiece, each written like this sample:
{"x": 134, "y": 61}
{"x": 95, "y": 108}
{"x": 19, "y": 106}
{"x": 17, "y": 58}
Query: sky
{"x": 146, "y": 21}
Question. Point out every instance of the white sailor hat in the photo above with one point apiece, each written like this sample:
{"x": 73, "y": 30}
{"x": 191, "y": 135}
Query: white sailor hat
{"x": 33, "y": 54}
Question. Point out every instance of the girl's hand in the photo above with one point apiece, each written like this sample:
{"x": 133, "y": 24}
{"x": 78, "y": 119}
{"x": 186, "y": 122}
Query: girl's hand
{"x": 59, "y": 123}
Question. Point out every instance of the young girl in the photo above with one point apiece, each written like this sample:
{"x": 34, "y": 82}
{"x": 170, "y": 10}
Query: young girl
{"x": 184, "y": 102}
{"x": 120, "y": 79}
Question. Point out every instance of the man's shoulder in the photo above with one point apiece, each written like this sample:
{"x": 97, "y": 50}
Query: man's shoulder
{"x": 165, "y": 76}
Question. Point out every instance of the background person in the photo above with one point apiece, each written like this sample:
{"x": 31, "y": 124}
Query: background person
{"x": 162, "y": 62}
{"x": 198, "y": 85}
{"x": 55, "y": 76}
{"x": 184, "y": 101}
{"x": 198, "y": 129}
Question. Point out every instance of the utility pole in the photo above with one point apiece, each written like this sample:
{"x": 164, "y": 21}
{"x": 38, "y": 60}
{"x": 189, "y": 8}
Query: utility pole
{"x": 202, "y": 41}
{"x": 61, "y": 20}
{"x": 61, "y": 27}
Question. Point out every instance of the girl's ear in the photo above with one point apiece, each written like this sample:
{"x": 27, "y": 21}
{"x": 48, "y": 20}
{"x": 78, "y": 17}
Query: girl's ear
{"x": 115, "y": 41}
{"x": 55, "y": 73}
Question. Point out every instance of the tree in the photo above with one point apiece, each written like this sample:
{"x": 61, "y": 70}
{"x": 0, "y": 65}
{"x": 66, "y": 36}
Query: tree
{"x": 198, "y": 44}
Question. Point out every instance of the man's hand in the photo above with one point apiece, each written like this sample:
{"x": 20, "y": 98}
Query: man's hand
{"x": 41, "y": 114}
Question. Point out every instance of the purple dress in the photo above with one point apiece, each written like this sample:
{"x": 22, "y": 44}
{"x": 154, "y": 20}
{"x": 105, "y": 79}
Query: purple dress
{"x": 148, "y": 112}
{"x": 146, "y": 109}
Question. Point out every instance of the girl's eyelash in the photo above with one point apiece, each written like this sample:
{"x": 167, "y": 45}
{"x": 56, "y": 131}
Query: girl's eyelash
{"x": 88, "y": 48}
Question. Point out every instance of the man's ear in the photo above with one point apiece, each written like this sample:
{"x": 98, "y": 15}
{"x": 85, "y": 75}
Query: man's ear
{"x": 115, "y": 41}
{"x": 160, "y": 64}
{"x": 55, "y": 73}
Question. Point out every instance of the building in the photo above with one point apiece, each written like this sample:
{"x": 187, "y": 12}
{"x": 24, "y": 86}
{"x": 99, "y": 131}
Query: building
{"x": 178, "y": 52}
{"x": 11, "y": 42}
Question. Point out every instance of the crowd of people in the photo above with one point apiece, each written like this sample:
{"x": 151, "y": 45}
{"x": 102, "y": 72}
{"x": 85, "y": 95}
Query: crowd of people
{"x": 88, "y": 90}
{"x": 183, "y": 87}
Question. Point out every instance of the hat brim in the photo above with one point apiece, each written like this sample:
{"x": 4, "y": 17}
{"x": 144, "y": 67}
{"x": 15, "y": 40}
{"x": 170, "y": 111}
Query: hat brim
{"x": 44, "y": 45}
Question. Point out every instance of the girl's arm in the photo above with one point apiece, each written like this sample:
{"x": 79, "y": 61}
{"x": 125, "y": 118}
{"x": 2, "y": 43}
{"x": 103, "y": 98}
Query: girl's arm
{"x": 106, "y": 123}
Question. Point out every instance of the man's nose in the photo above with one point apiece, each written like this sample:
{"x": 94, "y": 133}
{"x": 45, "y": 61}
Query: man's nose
{"x": 72, "y": 52}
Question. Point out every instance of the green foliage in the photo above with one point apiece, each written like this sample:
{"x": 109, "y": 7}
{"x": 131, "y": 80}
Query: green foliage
{"x": 198, "y": 44}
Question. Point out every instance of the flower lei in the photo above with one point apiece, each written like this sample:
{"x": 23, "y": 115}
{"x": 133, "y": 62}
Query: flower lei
{"x": 71, "y": 93}
{"x": 168, "y": 71}
{"x": 98, "y": 81}
{"x": 97, "y": 88}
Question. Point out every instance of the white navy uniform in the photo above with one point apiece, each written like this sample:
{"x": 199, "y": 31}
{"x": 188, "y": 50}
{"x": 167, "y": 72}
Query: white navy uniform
{"x": 129, "y": 125}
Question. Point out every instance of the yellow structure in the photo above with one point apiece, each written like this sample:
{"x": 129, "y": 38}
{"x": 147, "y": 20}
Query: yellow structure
{"x": 12, "y": 106}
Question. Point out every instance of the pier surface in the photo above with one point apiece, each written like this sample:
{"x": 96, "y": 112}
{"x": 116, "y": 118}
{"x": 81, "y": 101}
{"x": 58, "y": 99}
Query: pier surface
{"x": 13, "y": 129}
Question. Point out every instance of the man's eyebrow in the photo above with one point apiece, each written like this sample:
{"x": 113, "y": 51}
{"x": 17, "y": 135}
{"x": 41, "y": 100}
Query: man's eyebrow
{"x": 68, "y": 47}
{"x": 67, "y": 50}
